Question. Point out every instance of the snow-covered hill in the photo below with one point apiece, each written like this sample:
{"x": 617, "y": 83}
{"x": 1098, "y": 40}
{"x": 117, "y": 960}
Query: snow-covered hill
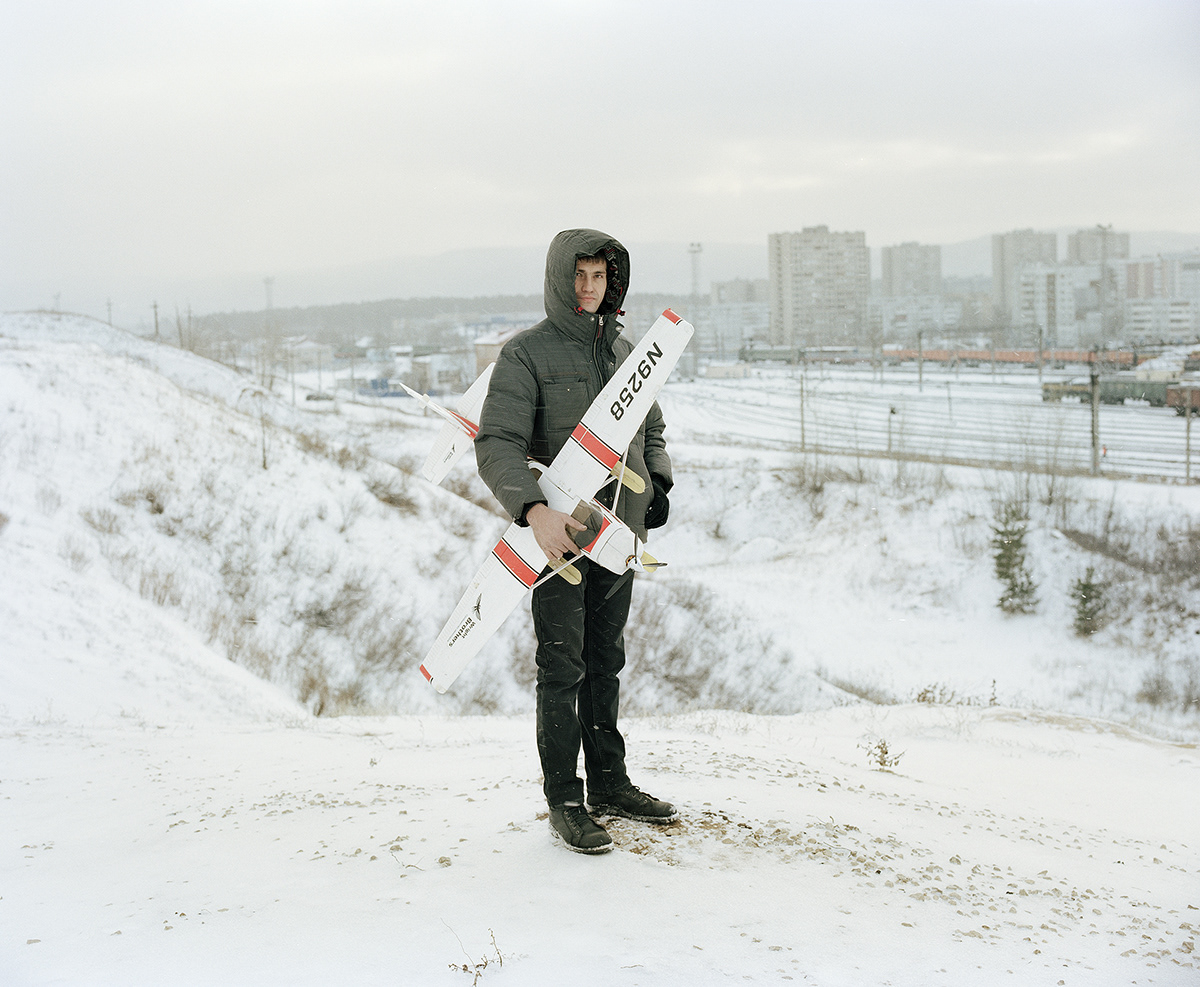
{"x": 168, "y": 527}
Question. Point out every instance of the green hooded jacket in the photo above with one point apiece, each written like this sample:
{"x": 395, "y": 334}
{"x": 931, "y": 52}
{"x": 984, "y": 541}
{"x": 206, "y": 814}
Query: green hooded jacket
{"x": 547, "y": 376}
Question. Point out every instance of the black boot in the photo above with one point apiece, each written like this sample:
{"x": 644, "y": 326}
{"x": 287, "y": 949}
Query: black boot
{"x": 579, "y": 831}
{"x": 633, "y": 804}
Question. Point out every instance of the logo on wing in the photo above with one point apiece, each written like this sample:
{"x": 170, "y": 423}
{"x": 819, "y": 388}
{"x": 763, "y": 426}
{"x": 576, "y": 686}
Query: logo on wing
{"x": 478, "y": 607}
{"x": 464, "y": 629}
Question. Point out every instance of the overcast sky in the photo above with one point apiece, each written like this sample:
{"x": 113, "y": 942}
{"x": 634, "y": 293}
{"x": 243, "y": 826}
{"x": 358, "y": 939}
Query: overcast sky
{"x": 146, "y": 143}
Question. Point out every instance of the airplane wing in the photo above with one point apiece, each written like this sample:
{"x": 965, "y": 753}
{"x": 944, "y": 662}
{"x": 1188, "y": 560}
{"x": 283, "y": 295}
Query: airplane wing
{"x": 589, "y": 459}
{"x": 505, "y": 577}
{"x": 460, "y": 429}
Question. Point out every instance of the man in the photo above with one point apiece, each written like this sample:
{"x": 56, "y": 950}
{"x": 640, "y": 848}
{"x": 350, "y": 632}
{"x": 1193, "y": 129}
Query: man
{"x": 544, "y": 381}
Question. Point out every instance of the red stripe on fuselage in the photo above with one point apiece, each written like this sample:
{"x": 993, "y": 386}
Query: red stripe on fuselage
{"x": 672, "y": 316}
{"x": 603, "y": 527}
{"x": 514, "y": 563}
{"x": 470, "y": 426}
{"x": 428, "y": 677}
{"x": 595, "y": 446}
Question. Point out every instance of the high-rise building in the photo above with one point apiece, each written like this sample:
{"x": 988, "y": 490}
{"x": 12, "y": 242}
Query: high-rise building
{"x": 1091, "y": 246}
{"x": 1162, "y": 297}
{"x": 738, "y": 313}
{"x": 1053, "y": 298}
{"x": 819, "y": 283}
{"x": 911, "y": 269}
{"x": 1011, "y": 252}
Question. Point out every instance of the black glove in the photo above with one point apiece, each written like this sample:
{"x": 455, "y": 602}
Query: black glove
{"x": 660, "y": 507}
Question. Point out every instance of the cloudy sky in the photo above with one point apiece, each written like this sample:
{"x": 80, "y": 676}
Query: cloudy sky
{"x": 149, "y": 145}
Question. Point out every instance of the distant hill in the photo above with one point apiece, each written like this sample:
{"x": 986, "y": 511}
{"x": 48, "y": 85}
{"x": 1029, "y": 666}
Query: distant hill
{"x": 659, "y": 267}
{"x": 488, "y": 272}
{"x": 970, "y": 257}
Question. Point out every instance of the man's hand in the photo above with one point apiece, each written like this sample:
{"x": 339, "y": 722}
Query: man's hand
{"x": 550, "y": 528}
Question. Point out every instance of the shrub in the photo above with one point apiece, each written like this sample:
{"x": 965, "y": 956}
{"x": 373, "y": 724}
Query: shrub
{"x": 393, "y": 491}
{"x": 1008, "y": 541}
{"x": 940, "y": 695}
{"x": 72, "y": 552}
{"x": 879, "y": 754}
{"x": 102, "y": 520}
{"x": 48, "y": 500}
{"x": 1090, "y": 603}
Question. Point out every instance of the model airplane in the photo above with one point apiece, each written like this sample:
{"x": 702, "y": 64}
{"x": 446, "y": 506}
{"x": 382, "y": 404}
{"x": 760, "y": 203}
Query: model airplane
{"x": 591, "y": 458}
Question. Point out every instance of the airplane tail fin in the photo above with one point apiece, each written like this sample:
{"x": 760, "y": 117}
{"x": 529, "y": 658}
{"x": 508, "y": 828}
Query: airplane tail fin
{"x": 460, "y": 429}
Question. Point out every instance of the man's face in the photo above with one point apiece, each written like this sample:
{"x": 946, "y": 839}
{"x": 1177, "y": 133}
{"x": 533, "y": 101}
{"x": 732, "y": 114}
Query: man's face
{"x": 591, "y": 281}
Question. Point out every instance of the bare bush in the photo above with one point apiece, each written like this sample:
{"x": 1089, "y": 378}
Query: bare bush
{"x": 160, "y": 585}
{"x": 48, "y": 500}
{"x": 688, "y": 651}
{"x": 385, "y": 646}
{"x": 312, "y": 442}
{"x": 1172, "y": 686}
{"x": 352, "y": 509}
{"x": 314, "y": 690}
{"x": 102, "y": 520}
{"x": 393, "y": 491}
{"x": 343, "y": 608}
{"x": 152, "y": 493}
{"x": 122, "y": 560}
{"x": 467, "y": 485}
{"x": 348, "y": 458}
{"x": 880, "y": 754}
{"x": 73, "y": 553}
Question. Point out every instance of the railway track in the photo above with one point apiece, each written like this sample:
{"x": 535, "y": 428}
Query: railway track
{"x": 970, "y": 419}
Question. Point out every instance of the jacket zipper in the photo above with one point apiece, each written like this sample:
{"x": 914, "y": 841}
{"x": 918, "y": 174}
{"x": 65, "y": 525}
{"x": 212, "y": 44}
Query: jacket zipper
{"x": 596, "y": 355}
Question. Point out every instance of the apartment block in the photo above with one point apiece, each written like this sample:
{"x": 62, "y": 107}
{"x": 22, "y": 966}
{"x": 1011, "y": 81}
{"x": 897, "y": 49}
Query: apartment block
{"x": 1010, "y": 252}
{"x": 1051, "y": 298}
{"x": 911, "y": 269}
{"x": 901, "y": 318}
{"x": 819, "y": 284}
{"x": 1091, "y": 246}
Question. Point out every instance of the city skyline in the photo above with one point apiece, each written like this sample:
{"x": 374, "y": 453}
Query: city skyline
{"x": 188, "y": 152}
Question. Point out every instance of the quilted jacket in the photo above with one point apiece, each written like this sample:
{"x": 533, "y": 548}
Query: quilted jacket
{"x": 547, "y": 376}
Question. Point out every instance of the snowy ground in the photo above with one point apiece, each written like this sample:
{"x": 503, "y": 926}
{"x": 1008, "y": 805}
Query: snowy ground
{"x": 1003, "y": 847}
{"x": 170, "y": 818}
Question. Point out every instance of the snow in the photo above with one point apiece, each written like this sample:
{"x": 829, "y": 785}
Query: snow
{"x": 172, "y": 818}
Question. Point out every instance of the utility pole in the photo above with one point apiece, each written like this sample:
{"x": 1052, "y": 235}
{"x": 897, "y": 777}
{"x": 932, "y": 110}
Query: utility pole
{"x": 110, "y": 311}
{"x": 1095, "y": 379}
{"x": 920, "y": 361}
{"x": 268, "y": 283}
{"x": 1103, "y": 287}
{"x": 1188, "y": 411}
{"x": 803, "y": 375}
{"x": 155, "y": 307}
{"x": 695, "y": 250}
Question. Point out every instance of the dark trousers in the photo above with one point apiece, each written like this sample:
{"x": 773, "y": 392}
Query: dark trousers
{"x": 580, "y": 653}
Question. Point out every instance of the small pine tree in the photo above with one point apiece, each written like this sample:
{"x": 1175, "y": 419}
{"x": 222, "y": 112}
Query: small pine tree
{"x": 1090, "y": 603}
{"x": 1008, "y": 539}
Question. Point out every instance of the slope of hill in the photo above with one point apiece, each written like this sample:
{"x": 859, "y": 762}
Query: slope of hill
{"x": 171, "y": 818}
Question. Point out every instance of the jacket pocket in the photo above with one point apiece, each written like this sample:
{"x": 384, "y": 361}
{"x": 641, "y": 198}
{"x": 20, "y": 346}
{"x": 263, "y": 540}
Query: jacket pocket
{"x": 565, "y": 398}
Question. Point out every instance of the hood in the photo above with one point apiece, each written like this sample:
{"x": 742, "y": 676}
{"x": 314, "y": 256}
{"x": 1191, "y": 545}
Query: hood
{"x": 565, "y": 249}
